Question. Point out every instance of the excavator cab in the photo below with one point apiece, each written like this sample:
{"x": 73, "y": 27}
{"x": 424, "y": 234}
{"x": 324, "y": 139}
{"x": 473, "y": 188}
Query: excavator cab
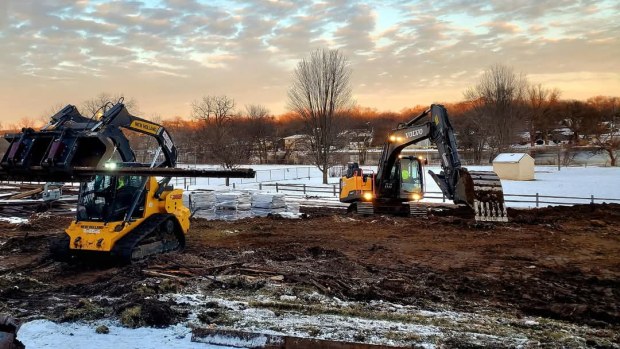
{"x": 411, "y": 178}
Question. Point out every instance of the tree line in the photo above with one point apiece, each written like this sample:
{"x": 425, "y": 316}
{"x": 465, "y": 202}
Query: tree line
{"x": 502, "y": 109}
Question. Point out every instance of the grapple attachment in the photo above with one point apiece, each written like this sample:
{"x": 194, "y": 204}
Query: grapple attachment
{"x": 52, "y": 155}
{"x": 482, "y": 191}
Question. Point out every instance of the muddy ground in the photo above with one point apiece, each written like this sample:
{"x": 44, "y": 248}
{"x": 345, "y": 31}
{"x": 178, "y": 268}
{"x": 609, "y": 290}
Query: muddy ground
{"x": 559, "y": 268}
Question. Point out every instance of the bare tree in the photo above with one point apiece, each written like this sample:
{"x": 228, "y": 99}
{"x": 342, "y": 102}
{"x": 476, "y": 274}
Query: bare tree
{"x": 320, "y": 91}
{"x": 606, "y": 133}
{"x": 472, "y": 135}
{"x": 497, "y": 100}
{"x": 27, "y": 122}
{"x": 541, "y": 102}
{"x": 222, "y": 135}
{"x": 103, "y": 101}
{"x": 261, "y": 130}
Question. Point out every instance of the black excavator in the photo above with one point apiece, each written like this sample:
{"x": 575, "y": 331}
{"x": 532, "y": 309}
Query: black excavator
{"x": 399, "y": 182}
{"x": 123, "y": 210}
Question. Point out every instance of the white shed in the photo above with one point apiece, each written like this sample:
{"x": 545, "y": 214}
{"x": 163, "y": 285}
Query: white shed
{"x": 515, "y": 166}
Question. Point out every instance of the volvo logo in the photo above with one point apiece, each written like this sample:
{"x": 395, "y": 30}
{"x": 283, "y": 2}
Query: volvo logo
{"x": 414, "y": 133}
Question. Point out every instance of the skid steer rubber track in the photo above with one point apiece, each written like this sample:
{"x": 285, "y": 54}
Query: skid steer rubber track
{"x": 158, "y": 234}
{"x": 486, "y": 197}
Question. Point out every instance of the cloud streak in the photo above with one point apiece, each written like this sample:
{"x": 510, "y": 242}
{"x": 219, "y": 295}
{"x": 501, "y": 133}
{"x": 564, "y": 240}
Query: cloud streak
{"x": 167, "y": 53}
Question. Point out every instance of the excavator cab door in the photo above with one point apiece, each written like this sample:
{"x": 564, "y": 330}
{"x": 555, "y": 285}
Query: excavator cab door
{"x": 411, "y": 178}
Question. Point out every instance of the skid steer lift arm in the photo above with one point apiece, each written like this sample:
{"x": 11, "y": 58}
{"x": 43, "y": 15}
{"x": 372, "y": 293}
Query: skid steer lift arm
{"x": 119, "y": 117}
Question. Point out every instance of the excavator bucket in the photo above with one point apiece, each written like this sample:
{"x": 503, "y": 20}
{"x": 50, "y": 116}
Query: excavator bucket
{"x": 482, "y": 191}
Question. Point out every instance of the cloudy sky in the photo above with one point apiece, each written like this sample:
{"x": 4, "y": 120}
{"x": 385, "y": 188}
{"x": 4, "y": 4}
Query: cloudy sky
{"x": 167, "y": 53}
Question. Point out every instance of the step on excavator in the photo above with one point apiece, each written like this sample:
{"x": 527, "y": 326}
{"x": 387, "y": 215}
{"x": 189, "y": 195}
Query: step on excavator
{"x": 126, "y": 210}
{"x": 398, "y": 185}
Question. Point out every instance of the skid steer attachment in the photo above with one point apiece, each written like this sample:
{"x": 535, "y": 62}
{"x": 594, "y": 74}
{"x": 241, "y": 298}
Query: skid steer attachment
{"x": 68, "y": 141}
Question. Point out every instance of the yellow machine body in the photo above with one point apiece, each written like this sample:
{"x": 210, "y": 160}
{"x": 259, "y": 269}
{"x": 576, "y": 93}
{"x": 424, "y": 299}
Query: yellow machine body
{"x": 101, "y": 236}
{"x": 357, "y": 187}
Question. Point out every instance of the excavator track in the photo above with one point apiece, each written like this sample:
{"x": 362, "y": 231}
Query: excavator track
{"x": 158, "y": 234}
{"x": 486, "y": 197}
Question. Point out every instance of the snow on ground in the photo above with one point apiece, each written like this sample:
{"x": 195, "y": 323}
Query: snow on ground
{"x": 47, "y": 334}
{"x": 426, "y": 326}
{"x": 14, "y": 220}
{"x": 583, "y": 182}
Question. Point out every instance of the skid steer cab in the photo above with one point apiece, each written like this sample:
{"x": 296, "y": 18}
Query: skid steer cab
{"x": 127, "y": 216}
{"x": 404, "y": 184}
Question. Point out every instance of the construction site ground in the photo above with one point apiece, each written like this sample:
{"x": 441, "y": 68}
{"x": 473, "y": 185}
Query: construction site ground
{"x": 549, "y": 278}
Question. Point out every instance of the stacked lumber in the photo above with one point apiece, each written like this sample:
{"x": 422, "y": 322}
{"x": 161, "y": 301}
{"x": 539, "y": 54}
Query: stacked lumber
{"x": 201, "y": 203}
{"x": 264, "y": 204}
{"x": 232, "y": 205}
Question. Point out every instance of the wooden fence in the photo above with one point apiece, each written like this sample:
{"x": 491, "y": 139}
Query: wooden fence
{"x": 332, "y": 192}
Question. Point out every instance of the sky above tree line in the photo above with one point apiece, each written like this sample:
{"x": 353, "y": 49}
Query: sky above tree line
{"x": 165, "y": 54}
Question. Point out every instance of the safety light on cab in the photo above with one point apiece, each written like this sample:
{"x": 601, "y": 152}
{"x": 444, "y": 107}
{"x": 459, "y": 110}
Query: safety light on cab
{"x": 368, "y": 196}
{"x": 416, "y": 197}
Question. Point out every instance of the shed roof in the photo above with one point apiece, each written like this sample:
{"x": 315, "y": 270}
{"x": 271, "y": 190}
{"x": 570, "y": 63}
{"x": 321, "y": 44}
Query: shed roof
{"x": 509, "y": 157}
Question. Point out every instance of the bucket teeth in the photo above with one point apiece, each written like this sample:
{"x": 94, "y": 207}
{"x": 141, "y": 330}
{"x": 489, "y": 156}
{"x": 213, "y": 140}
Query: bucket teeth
{"x": 488, "y": 200}
{"x": 490, "y": 211}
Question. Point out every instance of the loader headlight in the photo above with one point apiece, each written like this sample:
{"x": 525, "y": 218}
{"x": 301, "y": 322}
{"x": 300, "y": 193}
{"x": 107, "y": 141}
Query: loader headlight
{"x": 367, "y": 196}
{"x": 392, "y": 138}
{"x": 110, "y": 165}
{"x": 416, "y": 197}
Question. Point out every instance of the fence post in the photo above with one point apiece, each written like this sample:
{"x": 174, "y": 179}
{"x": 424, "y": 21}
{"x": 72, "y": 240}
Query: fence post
{"x": 536, "y": 199}
{"x": 227, "y": 181}
{"x": 276, "y": 187}
{"x": 260, "y": 186}
{"x": 233, "y": 185}
{"x": 592, "y": 199}
{"x": 304, "y": 189}
{"x": 334, "y": 189}
{"x": 443, "y": 197}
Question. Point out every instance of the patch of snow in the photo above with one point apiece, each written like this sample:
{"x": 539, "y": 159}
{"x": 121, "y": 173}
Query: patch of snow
{"x": 14, "y": 220}
{"x": 257, "y": 341}
{"x": 48, "y": 334}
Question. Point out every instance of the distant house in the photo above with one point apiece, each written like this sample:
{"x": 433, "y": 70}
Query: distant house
{"x": 356, "y": 139}
{"x": 296, "y": 142}
{"x": 514, "y": 166}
